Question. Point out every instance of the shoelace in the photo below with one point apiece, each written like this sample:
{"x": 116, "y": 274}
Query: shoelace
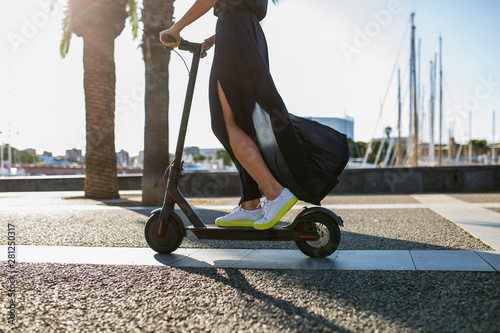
{"x": 237, "y": 209}
{"x": 264, "y": 205}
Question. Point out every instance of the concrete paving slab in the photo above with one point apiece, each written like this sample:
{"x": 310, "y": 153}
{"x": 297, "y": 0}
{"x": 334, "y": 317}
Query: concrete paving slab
{"x": 491, "y": 257}
{"x": 213, "y": 258}
{"x": 477, "y": 197}
{"x": 93, "y": 255}
{"x": 374, "y": 260}
{"x": 487, "y": 205}
{"x": 449, "y": 261}
{"x": 441, "y": 260}
{"x": 283, "y": 259}
{"x": 480, "y": 222}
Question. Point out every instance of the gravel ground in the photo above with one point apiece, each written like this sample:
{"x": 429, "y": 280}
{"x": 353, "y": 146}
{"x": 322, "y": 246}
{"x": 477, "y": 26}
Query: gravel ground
{"x": 477, "y": 198}
{"x": 92, "y": 298}
{"x": 135, "y": 200}
{"x": 496, "y": 210}
{"x": 120, "y": 228}
{"x": 380, "y": 229}
{"x": 376, "y": 229}
{"x": 329, "y": 200}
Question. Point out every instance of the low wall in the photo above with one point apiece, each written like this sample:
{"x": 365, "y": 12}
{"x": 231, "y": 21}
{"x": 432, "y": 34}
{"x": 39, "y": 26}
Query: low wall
{"x": 420, "y": 180}
{"x": 352, "y": 181}
{"x": 61, "y": 183}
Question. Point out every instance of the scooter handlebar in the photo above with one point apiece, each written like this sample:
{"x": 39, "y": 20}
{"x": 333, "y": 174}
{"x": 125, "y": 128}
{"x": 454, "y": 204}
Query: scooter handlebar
{"x": 184, "y": 44}
{"x": 170, "y": 39}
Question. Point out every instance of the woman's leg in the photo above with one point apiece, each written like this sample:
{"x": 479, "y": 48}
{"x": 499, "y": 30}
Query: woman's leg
{"x": 247, "y": 153}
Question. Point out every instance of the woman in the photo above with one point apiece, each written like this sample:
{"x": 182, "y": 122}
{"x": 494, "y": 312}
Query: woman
{"x": 287, "y": 157}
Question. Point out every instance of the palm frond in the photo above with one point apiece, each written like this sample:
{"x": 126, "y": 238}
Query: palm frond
{"x": 67, "y": 25}
{"x": 133, "y": 17}
{"x": 67, "y": 29}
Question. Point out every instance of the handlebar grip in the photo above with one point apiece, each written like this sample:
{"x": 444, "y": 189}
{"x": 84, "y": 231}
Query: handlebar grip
{"x": 168, "y": 39}
{"x": 184, "y": 44}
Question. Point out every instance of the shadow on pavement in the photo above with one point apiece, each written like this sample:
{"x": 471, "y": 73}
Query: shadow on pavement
{"x": 297, "y": 315}
{"x": 399, "y": 300}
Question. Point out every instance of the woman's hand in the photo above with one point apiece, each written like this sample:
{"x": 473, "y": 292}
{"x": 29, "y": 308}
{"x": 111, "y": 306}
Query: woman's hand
{"x": 199, "y": 8}
{"x": 208, "y": 43}
{"x": 174, "y": 32}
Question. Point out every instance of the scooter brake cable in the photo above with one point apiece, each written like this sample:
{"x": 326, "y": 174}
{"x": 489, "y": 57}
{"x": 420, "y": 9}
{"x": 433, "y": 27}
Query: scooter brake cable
{"x": 185, "y": 64}
{"x": 166, "y": 173}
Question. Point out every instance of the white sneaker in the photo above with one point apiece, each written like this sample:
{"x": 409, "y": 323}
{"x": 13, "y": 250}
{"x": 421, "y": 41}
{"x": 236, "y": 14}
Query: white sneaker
{"x": 275, "y": 209}
{"x": 240, "y": 217}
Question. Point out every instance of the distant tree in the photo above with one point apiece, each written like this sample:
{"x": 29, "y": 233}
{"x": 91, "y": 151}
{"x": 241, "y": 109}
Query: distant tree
{"x": 222, "y": 153}
{"x": 388, "y": 131}
{"x": 199, "y": 158}
{"x": 375, "y": 148}
{"x": 27, "y": 158}
{"x": 356, "y": 149}
{"x": 362, "y": 147}
{"x": 20, "y": 156}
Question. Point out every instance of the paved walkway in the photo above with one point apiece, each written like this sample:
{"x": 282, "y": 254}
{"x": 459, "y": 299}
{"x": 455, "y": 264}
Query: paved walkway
{"x": 475, "y": 218}
{"x": 405, "y": 264}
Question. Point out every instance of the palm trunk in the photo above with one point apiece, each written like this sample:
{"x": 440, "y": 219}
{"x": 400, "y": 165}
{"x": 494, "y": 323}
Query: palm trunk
{"x": 99, "y": 22}
{"x": 157, "y": 16}
{"x": 99, "y": 81}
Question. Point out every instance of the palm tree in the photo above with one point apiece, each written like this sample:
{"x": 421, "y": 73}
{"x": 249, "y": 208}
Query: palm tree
{"x": 156, "y": 15}
{"x": 98, "y": 22}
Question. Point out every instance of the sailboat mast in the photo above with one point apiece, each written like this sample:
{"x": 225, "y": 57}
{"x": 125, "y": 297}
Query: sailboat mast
{"x": 431, "y": 112}
{"x": 493, "y": 141}
{"x": 398, "y": 153}
{"x": 409, "y": 146}
{"x": 414, "y": 156}
{"x": 470, "y": 137}
{"x": 440, "y": 153}
{"x": 418, "y": 98}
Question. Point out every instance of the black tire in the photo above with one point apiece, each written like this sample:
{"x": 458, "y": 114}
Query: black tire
{"x": 329, "y": 233}
{"x": 173, "y": 235}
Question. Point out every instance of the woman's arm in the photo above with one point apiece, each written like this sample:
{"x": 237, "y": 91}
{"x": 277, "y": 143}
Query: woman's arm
{"x": 199, "y": 8}
{"x": 208, "y": 43}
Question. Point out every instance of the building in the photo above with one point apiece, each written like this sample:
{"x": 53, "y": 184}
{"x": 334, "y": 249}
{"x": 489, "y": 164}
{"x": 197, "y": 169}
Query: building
{"x": 31, "y": 151}
{"x": 140, "y": 158}
{"x": 343, "y": 125}
{"x": 74, "y": 155}
{"x": 123, "y": 158}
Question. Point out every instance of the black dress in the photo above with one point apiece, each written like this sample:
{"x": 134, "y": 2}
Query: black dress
{"x": 303, "y": 155}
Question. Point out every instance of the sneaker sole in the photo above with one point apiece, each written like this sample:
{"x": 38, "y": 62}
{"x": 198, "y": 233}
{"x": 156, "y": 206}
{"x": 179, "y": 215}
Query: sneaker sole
{"x": 234, "y": 223}
{"x": 278, "y": 216}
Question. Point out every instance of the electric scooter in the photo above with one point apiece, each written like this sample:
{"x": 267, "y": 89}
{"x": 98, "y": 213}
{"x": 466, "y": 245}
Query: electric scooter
{"x": 315, "y": 230}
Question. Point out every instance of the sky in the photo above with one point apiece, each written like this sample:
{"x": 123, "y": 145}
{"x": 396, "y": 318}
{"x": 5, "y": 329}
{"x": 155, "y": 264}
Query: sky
{"x": 329, "y": 58}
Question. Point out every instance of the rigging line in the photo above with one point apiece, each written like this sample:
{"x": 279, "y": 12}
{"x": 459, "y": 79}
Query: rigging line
{"x": 448, "y": 91}
{"x": 404, "y": 94}
{"x": 392, "y": 76}
{"x": 457, "y": 116}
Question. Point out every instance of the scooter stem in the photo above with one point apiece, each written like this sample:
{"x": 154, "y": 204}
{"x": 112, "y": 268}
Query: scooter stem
{"x": 173, "y": 194}
{"x": 187, "y": 104}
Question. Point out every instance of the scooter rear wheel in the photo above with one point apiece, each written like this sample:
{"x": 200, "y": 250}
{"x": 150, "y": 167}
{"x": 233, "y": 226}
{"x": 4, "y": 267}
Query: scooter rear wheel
{"x": 329, "y": 235}
{"x": 173, "y": 235}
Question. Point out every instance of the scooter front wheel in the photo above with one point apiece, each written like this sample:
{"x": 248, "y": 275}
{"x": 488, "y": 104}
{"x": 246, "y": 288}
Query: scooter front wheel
{"x": 328, "y": 231}
{"x": 173, "y": 235}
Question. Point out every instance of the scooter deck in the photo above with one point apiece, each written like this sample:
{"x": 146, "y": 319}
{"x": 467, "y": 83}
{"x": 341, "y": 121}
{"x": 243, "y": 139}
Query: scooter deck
{"x": 240, "y": 233}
